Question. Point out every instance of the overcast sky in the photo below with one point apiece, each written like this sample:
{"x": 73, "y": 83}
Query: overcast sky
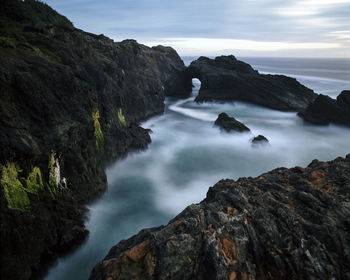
{"x": 307, "y": 28}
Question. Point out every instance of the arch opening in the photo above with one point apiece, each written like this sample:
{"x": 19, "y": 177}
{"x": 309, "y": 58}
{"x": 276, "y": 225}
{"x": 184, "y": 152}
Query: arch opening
{"x": 196, "y": 85}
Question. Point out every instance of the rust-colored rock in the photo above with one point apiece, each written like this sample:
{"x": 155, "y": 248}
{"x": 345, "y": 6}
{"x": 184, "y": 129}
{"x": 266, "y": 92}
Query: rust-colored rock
{"x": 286, "y": 226}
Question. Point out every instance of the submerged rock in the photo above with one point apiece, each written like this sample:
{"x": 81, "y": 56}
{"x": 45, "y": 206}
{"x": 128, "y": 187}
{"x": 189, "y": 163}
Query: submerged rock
{"x": 260, "y": 139}
{"x": 325, "y": 110}
{"x": 226, "y": 78}
{"x": 230, "y": 124}
{"x": 285, "y": 224}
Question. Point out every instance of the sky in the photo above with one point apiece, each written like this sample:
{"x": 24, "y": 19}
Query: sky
{"x": 271, "y": 28}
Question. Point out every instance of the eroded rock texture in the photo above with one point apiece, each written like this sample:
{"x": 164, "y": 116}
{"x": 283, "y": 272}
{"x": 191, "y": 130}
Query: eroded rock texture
{"x": 226, "y": 78}
{"x": 325, "y": 110}
{"x": 285, "y": 224}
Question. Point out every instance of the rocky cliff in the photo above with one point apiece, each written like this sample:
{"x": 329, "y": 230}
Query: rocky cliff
{"x": 70, "y": 102}
{"x": 325, "y": 110}
{"x": 226, "y": 78}
{"x": 285, "y": 224}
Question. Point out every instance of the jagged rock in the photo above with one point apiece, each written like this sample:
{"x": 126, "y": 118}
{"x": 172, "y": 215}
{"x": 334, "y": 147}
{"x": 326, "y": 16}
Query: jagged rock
{"x": 226, "y": 78}
{"x": 325, "y": 110}
{"x": 260, "y": 139}
{"x": 230, "y": 124}
{"x": 81, "y": 95}
{"x": 285, "y": 224}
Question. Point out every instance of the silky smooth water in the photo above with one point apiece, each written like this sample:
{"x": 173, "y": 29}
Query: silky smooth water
{"x": 188, "y": 155}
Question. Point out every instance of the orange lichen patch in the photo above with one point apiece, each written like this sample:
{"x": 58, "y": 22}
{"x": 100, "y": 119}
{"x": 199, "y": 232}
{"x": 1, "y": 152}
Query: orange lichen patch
{"x": 300, "y": 169}
{"x": 261, "y": 178}
{"x": 245, "y": 276}
{"x": 137, "y": 263}
{"x": 317, "y": 181}
{"x": 317, "y": 175}
{"x": 210, "y": 228}
{"x": 138, "y": 252}
{"x": 178, "y": 223}
{"x": 233, "y": 275}
{"x": 289, "y": 188}
{"x": 229, "y": 250}
{"x": 291, "y": 204}
{"x": 172, "y": 245}
{"x": 326, "y": 164}
{"x": 231, "y": 211}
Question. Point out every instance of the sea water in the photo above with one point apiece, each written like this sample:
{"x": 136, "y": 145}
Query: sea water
{"x": 188, "y": 155}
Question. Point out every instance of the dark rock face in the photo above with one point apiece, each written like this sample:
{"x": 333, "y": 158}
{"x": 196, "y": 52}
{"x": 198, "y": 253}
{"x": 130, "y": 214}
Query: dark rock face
{"x": 285, "y": 224}
{"x": 226, "y": 78}
{"x": 230, "y": 124}
{"x": 259, "y": 139}
{"x": 325, "y": 110}
{"x": 71, "y": 101}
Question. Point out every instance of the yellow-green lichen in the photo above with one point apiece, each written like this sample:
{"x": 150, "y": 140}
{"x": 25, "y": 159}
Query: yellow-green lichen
{"x": 15, "y": 194}
{"x": 34, "y": 181}
{"x": 98, "y": 131}
{"x": 53, "y": 184}
{"x": 7, "y": 42}
{"x": 121, "y": 117}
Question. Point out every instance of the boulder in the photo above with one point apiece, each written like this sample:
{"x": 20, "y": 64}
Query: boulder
{"x": 285, "y": 224}
{"x": 325, "y": 110}
{"x": 227, "y": 79}
{"x": 260, "y": 139}
{"x": 230, "y": 124}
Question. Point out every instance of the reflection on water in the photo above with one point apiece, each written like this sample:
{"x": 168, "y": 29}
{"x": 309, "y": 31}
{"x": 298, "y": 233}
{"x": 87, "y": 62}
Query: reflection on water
{"x": 188, "y": 155}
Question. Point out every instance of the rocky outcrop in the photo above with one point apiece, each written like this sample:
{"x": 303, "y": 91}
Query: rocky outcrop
{"x": 285, "y": 224}
{"x": 325, "y": 110}
{"x": 71, "y": 101}
{"x": 230, "y": 124}
{"x": 226, "y": 78}
{"x": 260, "y": 139}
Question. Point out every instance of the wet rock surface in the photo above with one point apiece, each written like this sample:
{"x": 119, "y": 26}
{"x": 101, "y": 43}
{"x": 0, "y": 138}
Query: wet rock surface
{"x": 285, "y": 224}
{"x": 325, "y": 110}
{"x": 260, "y": 139}
{"x": 226, "y": 78}
{"x": 71, "y": 102}
{"x": 230, "y": 124}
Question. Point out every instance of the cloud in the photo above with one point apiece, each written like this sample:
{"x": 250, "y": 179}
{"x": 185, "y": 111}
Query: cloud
{"x": 308, "y": 7}
{"x": 189, "y": 46}
{"x": 289, "y": 23}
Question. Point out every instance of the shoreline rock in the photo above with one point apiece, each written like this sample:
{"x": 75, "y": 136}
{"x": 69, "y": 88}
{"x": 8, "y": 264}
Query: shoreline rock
{"x": 325, "y": 110}
{"x": 230, "y": 124}
{"x": 71, "y": 102}
{"x": 260, "y": 139}
{"x": 227, "y": 79}
{"x": 284, "y": 224}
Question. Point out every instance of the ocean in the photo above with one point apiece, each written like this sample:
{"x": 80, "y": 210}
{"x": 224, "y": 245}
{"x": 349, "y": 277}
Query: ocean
{"x": 188, "y": 155}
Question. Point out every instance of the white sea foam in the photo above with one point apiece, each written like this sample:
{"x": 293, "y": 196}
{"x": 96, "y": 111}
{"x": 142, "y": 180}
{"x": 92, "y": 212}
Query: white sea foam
{"x": 186, "y": 157}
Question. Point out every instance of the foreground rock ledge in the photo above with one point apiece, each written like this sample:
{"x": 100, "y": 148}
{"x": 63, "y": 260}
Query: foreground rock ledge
{"x": 286, "y": 224}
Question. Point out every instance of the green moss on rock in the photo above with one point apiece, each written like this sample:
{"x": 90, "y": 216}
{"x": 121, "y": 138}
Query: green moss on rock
{"x": 121, "y": 117}
{"x": 98, "y": 132}
{"x": 15, "y": 193}
{"x": 34, "y": 181}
